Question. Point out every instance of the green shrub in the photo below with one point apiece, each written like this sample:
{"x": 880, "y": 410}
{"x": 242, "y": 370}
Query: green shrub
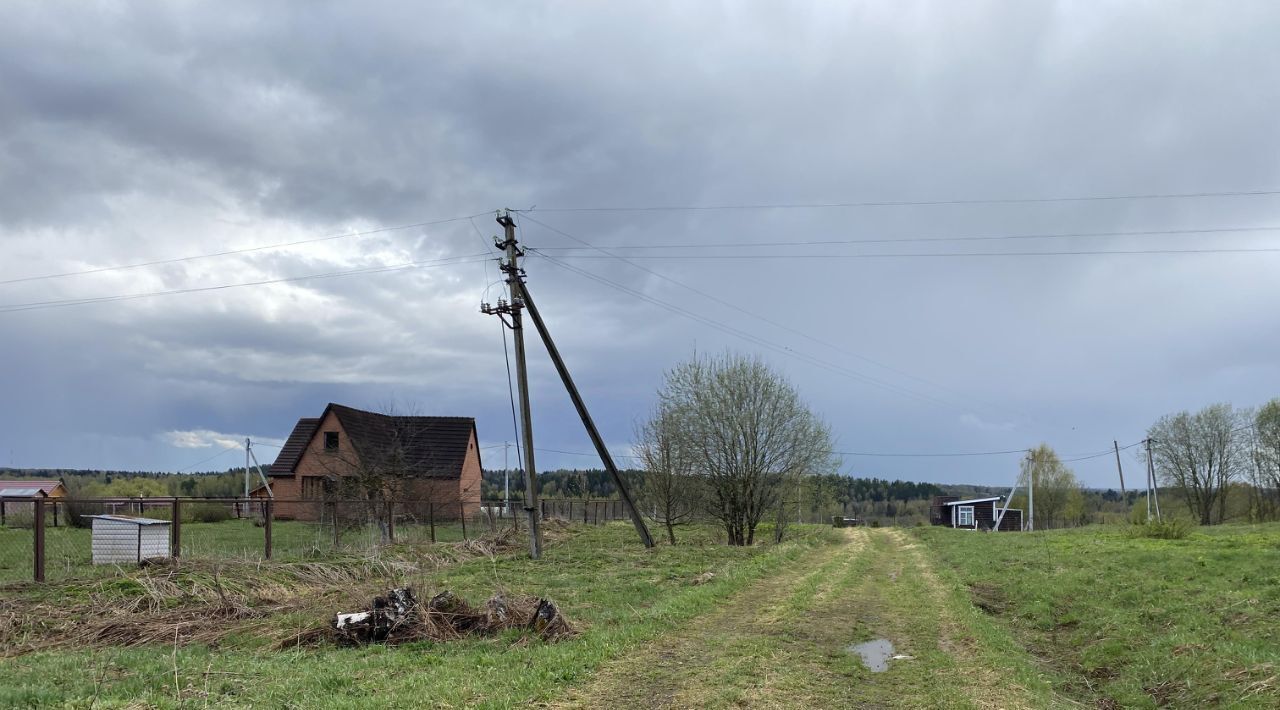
{"x": 1167, "y": 529}
{"x": 206, "y": 512}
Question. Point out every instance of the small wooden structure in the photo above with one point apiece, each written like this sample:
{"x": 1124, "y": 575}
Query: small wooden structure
{"x": 16, "y": 507}
{"x": 974, "y": 514}
{"x": 118, "y": 539}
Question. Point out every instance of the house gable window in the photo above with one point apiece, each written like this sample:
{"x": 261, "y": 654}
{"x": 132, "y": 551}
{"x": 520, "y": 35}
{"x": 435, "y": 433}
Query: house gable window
{"x": 331, "y": 441}
{"x": 312, "y": 487}
{"x": 964, "y": 516}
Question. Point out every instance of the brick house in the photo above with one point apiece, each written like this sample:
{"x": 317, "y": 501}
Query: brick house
{"x": 350, "y": 454}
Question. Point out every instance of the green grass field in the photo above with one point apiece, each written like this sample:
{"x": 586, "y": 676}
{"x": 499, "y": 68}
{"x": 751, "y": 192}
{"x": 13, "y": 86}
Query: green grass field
{"x": 1134, "y": 622}
{"x": 69, "y": 554}
{"x": 1073, "y": 618}
{"x": 618, "y": 593}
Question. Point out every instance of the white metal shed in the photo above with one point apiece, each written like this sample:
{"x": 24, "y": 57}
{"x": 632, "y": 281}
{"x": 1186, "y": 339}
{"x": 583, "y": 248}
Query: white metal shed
{"x": 120, "y": 538}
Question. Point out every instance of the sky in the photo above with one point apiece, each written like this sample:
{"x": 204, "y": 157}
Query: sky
{"x": 873, "y": 183}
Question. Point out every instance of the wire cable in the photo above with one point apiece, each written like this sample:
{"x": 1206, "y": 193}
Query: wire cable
{"x": 931, "y": 455}
{"x": 425, "y": 263}
{"x": 749, "y": 337}
{"x": 960, "y": 254}
{"x": 915, "y": 203}
{"x": 913, "y": 240}
{"x": 740, "y": 309}
{"x": 511, "y": 394}
{"x": 204, "y": 461}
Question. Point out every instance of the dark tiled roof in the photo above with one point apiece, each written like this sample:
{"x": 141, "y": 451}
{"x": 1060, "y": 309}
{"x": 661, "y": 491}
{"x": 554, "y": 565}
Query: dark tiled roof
{"x": 420, "y": 446}
{"x": 293, "y": 448}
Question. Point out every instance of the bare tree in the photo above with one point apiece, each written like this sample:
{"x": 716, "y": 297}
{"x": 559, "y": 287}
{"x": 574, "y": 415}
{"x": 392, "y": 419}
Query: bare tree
{"x": 1199, "y": 455}
{"x": 669, "y": 494}
{"x": 748, "y": 433}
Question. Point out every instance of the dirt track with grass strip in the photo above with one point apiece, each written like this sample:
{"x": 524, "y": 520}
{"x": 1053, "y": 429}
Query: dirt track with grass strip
{"x": 782, "y": 642}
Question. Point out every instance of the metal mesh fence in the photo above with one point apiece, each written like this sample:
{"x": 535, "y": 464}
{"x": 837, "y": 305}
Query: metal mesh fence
{"x": 64, "y": 538}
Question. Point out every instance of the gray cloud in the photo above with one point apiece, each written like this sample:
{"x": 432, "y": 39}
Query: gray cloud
{"x": 136, "y": 133}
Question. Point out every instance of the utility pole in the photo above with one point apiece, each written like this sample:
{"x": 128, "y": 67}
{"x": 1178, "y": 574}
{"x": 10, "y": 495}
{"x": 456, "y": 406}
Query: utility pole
{"x": 1153, "y": 486}
{"x": 1120, "y": 469}
{"x": 606, "y": 458}
{"x": 246, "y": 467}
{"x": 513, "y": 308}
{"x": 1031, "y": 491}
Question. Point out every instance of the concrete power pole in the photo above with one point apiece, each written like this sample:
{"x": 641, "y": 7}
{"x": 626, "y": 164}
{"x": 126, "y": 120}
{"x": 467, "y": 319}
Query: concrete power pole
{"x": 246, "y": 468}
{"x": 521, "y": 300}
{"x": 637, "y": 520}
{"x": 1120, "y": 469}
{"x": 1031, "y": 492}
{"x": 1153, "y": 487}
{"x": 514, "y": 307}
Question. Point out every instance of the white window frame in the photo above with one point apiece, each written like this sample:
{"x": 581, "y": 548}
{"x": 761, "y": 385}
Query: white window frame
{"x": 961, "y": 512}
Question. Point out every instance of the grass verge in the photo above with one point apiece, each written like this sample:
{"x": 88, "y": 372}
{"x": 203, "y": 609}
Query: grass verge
{"x": 1122, "y": 621}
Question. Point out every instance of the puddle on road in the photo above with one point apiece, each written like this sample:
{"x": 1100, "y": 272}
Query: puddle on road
{"x": 875, "y": 654}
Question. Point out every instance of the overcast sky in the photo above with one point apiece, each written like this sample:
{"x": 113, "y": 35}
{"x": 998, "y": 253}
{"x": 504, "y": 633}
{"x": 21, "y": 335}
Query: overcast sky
{"x": 141, "y": 132}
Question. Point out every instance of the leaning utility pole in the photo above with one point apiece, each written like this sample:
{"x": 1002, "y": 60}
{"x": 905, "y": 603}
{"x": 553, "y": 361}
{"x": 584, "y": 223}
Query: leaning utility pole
{"x": 1120, "y": 468}
{"x": 511, "y": 267}
{"x": 520, "y": 299}
{"x": 1153, "y": 486}
{"x": 636, "y": 519}
{"x": 248, "y": 453}
{"x": 1031, "y": 491}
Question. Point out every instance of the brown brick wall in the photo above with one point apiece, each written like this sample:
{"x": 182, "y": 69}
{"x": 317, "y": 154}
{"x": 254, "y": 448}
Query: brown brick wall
{"x": 445, "y": 493}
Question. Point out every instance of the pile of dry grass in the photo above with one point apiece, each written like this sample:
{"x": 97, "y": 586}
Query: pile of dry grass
{"x": 202, "y": 602}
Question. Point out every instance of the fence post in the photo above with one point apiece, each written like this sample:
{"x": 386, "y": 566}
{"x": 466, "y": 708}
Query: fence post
{"x": 37, "y": 507}
{"x": 391, "y": 521}
{"x": 431, "y": 518}
{"x": 270, "y": 514}
{"x": 333, "y": 515}
{"x": 462, "y": 513}
{"x": 586, "y": 505}
{"x": 175, "y": 530}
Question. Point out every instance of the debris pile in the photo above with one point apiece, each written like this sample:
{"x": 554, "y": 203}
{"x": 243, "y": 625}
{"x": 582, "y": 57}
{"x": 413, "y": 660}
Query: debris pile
{"x": 399, "y": 617}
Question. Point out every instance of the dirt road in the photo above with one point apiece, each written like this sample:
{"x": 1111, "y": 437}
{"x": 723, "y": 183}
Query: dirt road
{"x": 784, "y": 642}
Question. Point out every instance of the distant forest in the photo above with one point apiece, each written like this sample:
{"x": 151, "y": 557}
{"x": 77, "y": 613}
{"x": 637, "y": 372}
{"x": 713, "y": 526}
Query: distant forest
{"x": 874, "y": 500}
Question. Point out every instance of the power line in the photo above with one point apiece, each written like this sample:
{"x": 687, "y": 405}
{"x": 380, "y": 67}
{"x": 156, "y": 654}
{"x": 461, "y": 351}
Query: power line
{"x": 583, "y": 453}
{"x": 740, "y": 309}
{"x": 910, "y": 255}
{"x": 230, "y": 252}
{"x": 905, "y": 240}
{"x": 204, "y": 461}
{"x": 932, "y": 455}
{"x": 425, "y": 263}
{"x": 1099, "y": 455}
{"x": 913, "y": 203}
{"x": 749, "y": 337}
